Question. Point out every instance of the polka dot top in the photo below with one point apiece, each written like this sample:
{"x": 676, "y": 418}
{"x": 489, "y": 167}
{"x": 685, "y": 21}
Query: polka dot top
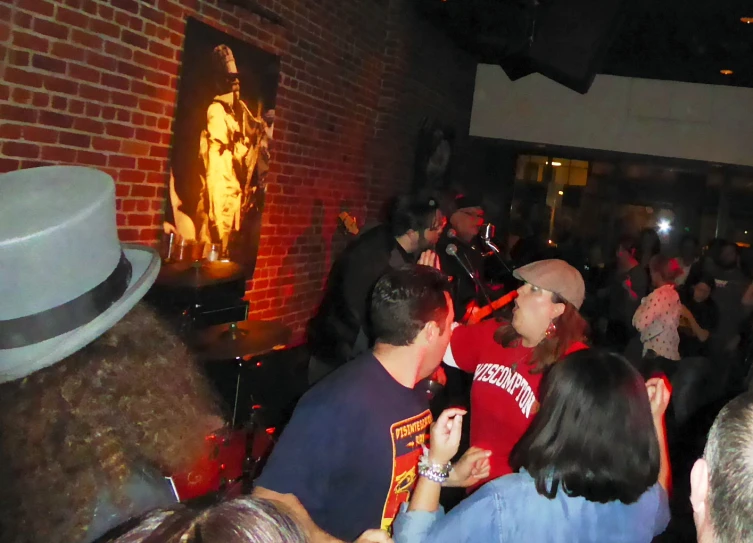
{"x": 657, "y": 319}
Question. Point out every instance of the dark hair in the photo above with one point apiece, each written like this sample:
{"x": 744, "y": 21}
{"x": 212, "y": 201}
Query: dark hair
{"x": 594, "y": 433}
{"x": 404, "y": 300}
{"x": 705, "y": 279}
{"x": 667, "y": 268}
{"x": 570, "y": 327}
{"x": 413, "y": 212}
{"x": 655, "y": 248}
{"x": 728, "y": 454}
{"x": 241, "y": 520}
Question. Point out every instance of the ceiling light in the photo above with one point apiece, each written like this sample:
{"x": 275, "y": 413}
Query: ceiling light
{"x": 747, "y": 20}
{"x": 561, "y": 193}
{"x": 556, "y": 163}
{"x": 726, "y": 72}
{"x": 664, "y": 226}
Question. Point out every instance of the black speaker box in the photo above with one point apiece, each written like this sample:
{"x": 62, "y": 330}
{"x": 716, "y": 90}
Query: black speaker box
{"x": 570, "y": 40}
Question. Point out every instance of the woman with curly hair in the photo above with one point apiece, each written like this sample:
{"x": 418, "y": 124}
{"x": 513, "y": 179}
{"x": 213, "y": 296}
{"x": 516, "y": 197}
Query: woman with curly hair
{"x": 98, "y": 399}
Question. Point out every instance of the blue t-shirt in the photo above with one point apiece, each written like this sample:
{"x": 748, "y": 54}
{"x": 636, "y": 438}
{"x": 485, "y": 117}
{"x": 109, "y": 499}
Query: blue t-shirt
{"x": 509, "y": 509}
{"x": 351, "y": 449}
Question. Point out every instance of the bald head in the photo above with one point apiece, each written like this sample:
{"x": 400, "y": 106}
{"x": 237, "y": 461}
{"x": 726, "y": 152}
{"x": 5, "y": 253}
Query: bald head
{"x": 722, "y": 481}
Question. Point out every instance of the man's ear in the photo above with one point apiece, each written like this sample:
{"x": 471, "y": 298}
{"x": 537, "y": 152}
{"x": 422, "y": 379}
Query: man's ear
{"x": 699, "y": 487}
{"x": 431, "y": 331}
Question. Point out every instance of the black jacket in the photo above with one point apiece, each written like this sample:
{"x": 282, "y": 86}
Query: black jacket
{"x": 339, "y": 330}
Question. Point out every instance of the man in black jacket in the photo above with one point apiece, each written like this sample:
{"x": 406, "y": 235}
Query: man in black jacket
{"x": 339, "y": 331}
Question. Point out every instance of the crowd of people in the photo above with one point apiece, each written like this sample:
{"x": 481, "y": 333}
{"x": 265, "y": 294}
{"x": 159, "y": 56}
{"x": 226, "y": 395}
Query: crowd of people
{"x": 99, "y": 400}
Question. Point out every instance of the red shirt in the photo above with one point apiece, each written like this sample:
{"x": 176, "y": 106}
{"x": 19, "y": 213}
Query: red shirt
{"x": 504, "y": 394}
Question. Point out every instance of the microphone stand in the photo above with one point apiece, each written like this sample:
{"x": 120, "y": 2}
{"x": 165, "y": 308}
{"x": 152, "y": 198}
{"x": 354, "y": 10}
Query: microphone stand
{"x": 452, "y": 250}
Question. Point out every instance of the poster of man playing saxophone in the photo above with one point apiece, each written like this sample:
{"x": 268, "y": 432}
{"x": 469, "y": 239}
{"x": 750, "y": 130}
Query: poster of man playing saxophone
{"x": 221, "y": 143}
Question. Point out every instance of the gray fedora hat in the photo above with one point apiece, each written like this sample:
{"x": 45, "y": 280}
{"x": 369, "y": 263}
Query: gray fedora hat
{"x": 65, "y": 278}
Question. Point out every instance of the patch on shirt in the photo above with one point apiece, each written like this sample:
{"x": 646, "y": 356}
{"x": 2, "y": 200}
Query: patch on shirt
{"x": 408, "y": 436}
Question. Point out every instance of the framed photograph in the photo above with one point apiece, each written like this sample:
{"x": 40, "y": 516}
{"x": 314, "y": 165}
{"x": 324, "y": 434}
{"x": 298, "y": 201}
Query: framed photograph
{"x": 222, "y": 135}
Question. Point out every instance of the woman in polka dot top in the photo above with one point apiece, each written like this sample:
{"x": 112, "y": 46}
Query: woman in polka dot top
{"x": 658, "y": 316}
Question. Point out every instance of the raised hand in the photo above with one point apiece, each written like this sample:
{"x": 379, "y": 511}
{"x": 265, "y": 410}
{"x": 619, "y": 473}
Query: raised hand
{"x": 472, "y": 467}
{"x": 445, "y": 435}
{"x": 659, "y": 394}
{"x": 429, "y": 258}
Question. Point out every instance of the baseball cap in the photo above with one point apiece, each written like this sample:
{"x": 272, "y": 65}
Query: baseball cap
{"x": 555, "y": 276}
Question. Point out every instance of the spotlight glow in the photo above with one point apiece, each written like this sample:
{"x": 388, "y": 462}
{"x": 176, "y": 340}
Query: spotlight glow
{"x": 664, "y": 226}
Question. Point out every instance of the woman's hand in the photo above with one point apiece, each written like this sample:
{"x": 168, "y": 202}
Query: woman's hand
{"x": 659, "y": 394}
{"x": 374, "y": 536}
{"x": 445, "y": 435}
{"x": 473, "y": 467}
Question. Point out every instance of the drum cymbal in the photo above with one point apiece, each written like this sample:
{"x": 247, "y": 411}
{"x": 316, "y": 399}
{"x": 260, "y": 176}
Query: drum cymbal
{"x": 198, "y": 274}
{"x": 244, "y": 339}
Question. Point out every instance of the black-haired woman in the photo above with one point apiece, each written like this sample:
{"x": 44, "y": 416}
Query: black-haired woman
{"x": 592, "y": 467}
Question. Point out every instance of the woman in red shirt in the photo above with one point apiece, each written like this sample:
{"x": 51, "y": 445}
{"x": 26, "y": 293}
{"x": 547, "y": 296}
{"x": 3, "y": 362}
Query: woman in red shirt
{"x": 507, "y": 360}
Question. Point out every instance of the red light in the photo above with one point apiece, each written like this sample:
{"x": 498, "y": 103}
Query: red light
{"x": 270, "y": 431}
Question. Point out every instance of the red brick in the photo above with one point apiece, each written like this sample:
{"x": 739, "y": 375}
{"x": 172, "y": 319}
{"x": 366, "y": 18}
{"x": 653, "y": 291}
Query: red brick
{"x": 91, "y": 41}
{"x": 132, "y": 176}
{"x": 101, "y": 61}
{"x": 131, "y": 38}
{"x": 96, "y": 94}
{"x": 161, "y": 50}
{"x": 51, "y": 29}
{"x": 58, "y": 154}
{"x": 105, "y": 144}
{"x": 38, "y": 6}
{"x": 83, "y": 73}
{"x": 19, "y": 58}
{"x": 123, "y": 116}
{"x": 119, "y": 130}
{"x": 126, "y": 68}
{"x": 4, "y": 29}
{"x": 150, "y": 164}
{"x": 89, "y": 6}
{"x": 91, "y": 158}
{"x": 91, "y": 126}
{"x": 51, "y": 118}
{"x": 19, "y": 149}
{"x": 10, "y": 131}
{"x": 76, "y": 107}
{"x": 163, "y": 123}
{"x": 123, "y": 99}
{"x": 21, "y": 96}
{"x": 121, "y": 162}
{"x": 63, "y": 86}
{"x": 151, "y": 122}
{"x": 152, "y": 136}
{"x": 151, "y": 106}
{"x": 71, "y": 17}
{"x": 152, "y": 14}
{"x": 9, "y": 165}
{"x": 49, "y": 64}
{"x": 105, "y": 12}
{"x": 30, "y": 41}
{"x": 93, "y": 110}
{"x": 60, "y": 103}
{"x": 144, "y": 191}
{"x": 108, "y": 113}
{"x": 40, "y": 134}
{"x": 139, "y": 87}
{"x": 128, "y": 5}
{"x": 17, "y": 113}
{"x": 75, "y": 140}
{"x": 135, "y": 148}
{"x": 40, "y": 99}
{"x": 67, "y": 51}
{"x": 97, "y": 26}
{"x": 21, "y": 19}
{"x": 118, "y": 50}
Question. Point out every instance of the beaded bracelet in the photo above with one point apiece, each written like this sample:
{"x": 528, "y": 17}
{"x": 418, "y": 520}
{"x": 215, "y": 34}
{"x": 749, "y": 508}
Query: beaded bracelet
{"x": 437, "y": 473}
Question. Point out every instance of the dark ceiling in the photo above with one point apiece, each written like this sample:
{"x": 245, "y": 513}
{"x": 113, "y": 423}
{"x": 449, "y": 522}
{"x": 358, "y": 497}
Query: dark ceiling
{"x": 676, "y": 40}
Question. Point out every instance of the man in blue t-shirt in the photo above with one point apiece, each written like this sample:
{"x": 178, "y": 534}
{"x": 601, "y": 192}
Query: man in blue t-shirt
{"x": 349, "y": 456}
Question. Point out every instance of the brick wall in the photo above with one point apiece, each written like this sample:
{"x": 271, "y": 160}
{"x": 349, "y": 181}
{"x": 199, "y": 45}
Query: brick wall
{"x": 93, "y": 82}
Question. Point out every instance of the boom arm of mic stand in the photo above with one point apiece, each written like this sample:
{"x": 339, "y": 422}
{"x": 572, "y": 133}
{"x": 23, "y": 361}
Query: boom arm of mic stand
{"x": 474, "y": 277}
{"x": 497, "y": 253}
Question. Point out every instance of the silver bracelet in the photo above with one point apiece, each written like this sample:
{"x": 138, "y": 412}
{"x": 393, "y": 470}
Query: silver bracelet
{"x": 437, "y": 473}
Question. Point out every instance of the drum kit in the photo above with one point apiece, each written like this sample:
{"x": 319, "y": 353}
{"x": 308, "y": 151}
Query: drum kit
{"x": 204, "y": 299}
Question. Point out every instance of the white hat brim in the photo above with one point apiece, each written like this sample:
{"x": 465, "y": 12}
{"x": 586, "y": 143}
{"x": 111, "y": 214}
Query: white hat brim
{"x": 22, "y": 361}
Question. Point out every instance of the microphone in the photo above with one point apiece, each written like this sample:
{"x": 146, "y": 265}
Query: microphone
{"x": 487, "y": 235}
{"x": 452, "y": 250}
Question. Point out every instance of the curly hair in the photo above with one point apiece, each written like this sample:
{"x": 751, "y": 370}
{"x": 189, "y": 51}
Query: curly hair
{"x": 67, "y": 432}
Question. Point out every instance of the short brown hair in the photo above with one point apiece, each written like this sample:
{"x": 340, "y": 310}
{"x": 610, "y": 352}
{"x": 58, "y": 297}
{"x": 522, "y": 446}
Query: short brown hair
{"x": 69, "y": 431}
